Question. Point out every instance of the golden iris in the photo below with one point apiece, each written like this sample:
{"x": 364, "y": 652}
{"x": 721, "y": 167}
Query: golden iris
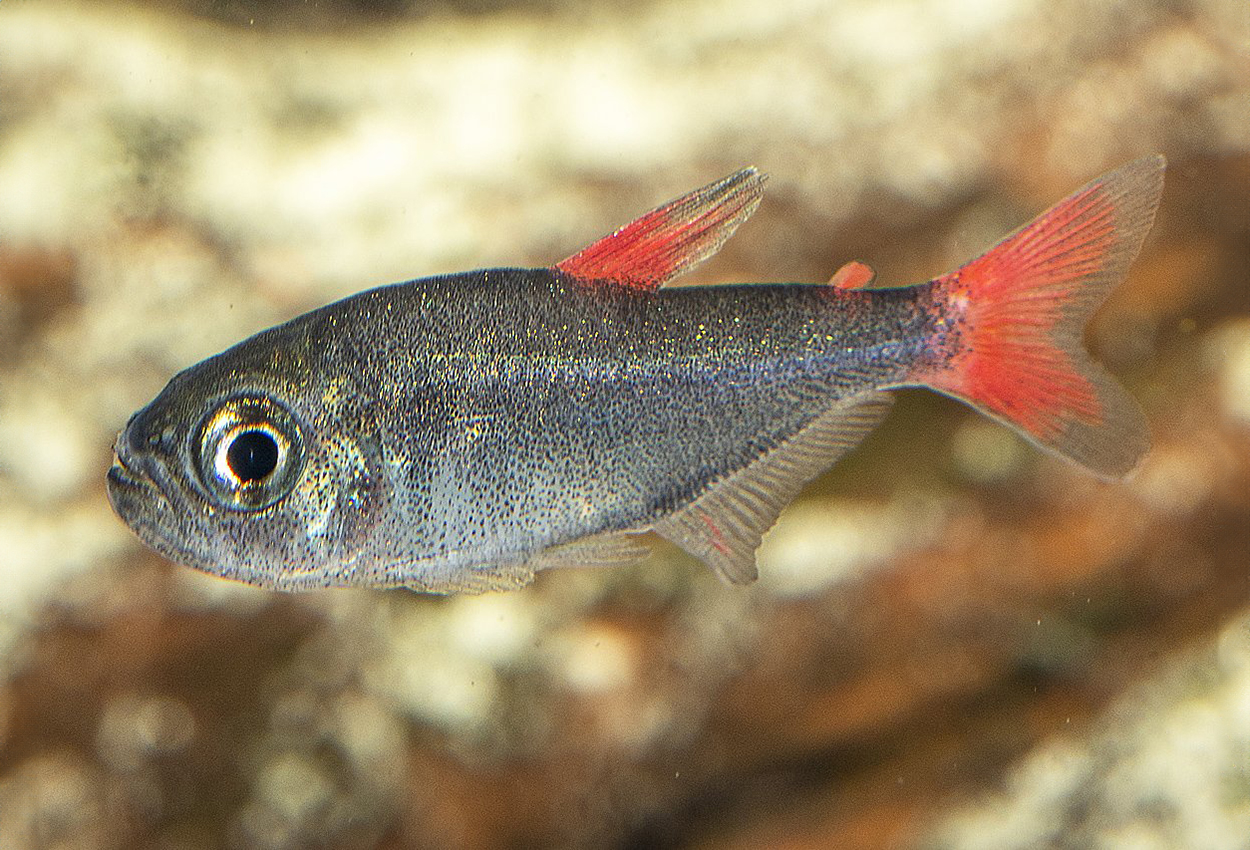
{"x": 249, "y": 453}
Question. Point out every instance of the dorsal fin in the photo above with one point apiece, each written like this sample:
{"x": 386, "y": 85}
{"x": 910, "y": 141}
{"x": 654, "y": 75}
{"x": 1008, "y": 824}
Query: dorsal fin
{"x": 674, "y": 238}
{"x": 723, "y": 526}
{"x": 853, "y": 275}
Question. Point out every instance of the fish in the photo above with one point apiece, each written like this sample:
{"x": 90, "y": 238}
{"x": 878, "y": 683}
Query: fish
{"x": 461, "y": 432}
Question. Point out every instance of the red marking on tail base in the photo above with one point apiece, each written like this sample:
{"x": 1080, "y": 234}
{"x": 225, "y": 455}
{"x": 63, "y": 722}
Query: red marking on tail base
{"x": 1021, "y": 311}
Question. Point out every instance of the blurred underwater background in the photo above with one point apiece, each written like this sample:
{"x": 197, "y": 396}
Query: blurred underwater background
{"x": 956, "y": 641}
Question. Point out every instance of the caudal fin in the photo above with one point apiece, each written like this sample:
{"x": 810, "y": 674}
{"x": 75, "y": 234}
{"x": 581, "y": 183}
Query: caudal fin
{"x": 1019, "y": 313}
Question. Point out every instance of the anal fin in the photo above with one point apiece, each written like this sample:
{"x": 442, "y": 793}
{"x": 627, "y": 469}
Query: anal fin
{"x": 724, "y": 525}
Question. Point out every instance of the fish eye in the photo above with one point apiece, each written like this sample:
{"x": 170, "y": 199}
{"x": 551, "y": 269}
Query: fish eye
{"x": 249, "y": 453}
{"x": 252, "y": 455}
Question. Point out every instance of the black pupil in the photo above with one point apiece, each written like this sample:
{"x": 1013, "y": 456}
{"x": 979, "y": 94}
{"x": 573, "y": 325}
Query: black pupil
{"x": 252, "y": 456}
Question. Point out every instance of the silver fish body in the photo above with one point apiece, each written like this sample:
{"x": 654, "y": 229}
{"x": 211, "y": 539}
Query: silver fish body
{"x": 457, "y": 426}
{"x": 457, "y": 433}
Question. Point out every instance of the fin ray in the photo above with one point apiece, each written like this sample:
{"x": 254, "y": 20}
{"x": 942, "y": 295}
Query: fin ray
{"x": 724, "y": 525}
{"x": 599, "y": 551}
{"x": 670, "y": 240}
{"x": 1023, "y": 306}
{"x": 477, "y": 580}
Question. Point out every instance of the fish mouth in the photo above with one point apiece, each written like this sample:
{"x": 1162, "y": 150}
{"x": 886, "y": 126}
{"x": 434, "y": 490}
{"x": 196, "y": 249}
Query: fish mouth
{"x": 123, "y": 478}
{"x": 129, "y": 491}
{"x": 132, "y": 491}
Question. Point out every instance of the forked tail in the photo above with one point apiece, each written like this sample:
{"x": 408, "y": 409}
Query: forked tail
{"x": 1018, "y": 313}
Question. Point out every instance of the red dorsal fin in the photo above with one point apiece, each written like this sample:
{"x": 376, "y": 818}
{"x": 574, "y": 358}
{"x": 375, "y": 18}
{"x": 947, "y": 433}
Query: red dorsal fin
{"x": 674, "y": 238}
{"x": 853, "y": 275}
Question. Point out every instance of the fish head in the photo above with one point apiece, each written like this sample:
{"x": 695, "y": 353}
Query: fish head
{"x": 241, "y": 470}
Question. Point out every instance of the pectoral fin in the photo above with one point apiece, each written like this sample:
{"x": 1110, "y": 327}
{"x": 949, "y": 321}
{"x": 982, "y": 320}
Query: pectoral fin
{"x": 600, "y": 550}
{"x": 479, "y": 580}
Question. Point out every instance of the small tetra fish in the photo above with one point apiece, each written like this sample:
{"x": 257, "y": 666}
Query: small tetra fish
{"x": 457, "y": 433}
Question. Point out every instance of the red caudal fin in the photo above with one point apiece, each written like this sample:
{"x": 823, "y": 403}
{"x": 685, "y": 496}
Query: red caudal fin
{"x": 1020, "y": 311}
{"x": 658, "y": 246}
